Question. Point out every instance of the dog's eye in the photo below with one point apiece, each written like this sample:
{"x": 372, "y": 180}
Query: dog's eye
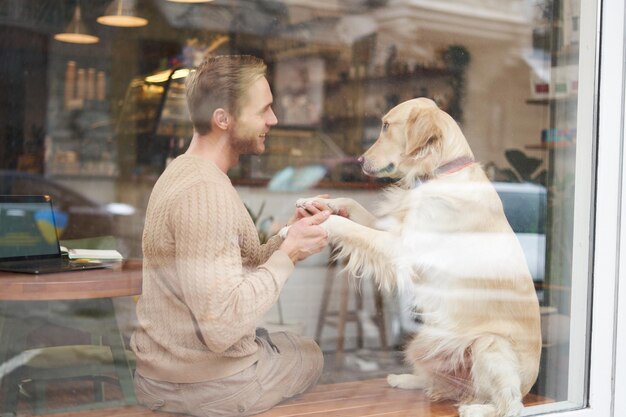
{"x": 385, "y": 126}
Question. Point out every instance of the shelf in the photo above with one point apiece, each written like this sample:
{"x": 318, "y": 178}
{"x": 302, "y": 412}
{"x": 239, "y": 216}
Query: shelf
{"x": 547, "y": 101}
{"x": 135, "y": 132}
{"x": 551, "y": 145}
{"x": 299, "y": 132}
{"x": 394, "y": 78}
{"x": 369, "y": 185}
{"x": 82, "y": 176}
{"x": 369, "y": 120}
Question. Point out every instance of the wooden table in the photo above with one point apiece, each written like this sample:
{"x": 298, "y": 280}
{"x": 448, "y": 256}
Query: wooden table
{"x": 78, "y": 299}
{"x": 122, "y": 280}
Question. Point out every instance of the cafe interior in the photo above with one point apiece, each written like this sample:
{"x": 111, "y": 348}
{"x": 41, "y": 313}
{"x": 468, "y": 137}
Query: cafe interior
{"x": 92, "y": 110}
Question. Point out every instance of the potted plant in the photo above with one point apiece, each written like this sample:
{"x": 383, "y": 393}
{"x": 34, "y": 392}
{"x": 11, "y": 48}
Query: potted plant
{"x": 264, "y": 230}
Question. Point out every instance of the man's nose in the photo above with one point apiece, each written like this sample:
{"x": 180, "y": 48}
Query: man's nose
{"x": 273, "y": 120}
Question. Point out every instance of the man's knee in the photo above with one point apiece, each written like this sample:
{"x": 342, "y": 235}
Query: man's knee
{"x": 311, "y": 362}
{"x": 312, "y": 354}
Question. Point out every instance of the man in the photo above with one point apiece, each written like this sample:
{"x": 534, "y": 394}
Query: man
{"x": 207, "y": 280}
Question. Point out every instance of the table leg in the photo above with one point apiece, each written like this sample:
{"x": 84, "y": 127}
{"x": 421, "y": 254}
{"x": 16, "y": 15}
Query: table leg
{"x": 118, "y": 352}
{"x": 97, "y": 316}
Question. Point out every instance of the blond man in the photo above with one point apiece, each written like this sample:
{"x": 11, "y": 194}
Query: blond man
{"x": 207, "y": 280}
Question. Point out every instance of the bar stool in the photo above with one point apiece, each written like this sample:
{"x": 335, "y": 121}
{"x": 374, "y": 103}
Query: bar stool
{"x": 340, "y": 318}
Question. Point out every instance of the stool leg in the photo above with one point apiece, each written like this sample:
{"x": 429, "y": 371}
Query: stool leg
{"x": 380, "y": 316}
{"x": 359, "y": 308}
{"x": 328, "y": 286}
{"x": 343, "y": 315}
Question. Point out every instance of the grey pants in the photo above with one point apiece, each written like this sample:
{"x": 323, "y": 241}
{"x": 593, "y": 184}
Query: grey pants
{"x": 289, "y": 368}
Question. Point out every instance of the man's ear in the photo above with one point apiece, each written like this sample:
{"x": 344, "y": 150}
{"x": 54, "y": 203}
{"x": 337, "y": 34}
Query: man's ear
{"x": 221, "y": 118}
{"x": 423, "y": 128}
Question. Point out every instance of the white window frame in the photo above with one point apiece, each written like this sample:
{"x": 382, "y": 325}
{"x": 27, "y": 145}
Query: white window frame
{"x": 601, "y": 114}
{"x": 607, "y": 371}
{"x": 618, "y": 125}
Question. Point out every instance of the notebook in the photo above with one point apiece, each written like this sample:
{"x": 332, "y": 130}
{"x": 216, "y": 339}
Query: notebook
{"x": 29, "y": 240}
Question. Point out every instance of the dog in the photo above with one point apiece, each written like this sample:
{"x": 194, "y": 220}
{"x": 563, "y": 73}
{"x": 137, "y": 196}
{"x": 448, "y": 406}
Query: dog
{"x": 442, "y": 236}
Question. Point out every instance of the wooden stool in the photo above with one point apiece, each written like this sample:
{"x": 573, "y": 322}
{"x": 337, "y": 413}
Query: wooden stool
{"x": 340, "y": 318}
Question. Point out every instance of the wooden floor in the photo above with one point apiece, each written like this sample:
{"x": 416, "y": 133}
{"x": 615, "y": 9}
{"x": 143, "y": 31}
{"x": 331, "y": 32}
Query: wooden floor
{"x": 350, "y": 399}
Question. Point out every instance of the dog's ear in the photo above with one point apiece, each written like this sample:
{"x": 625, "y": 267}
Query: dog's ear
{"x": 423, "y": 128}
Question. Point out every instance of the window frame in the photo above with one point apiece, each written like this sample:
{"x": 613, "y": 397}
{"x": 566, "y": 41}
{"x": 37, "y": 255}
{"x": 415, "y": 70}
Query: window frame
{"x": 607, "y": 335}
{"x": 602, "y": 83}
{"x": 602, "y": 88}
{"x": 598, "y": 330}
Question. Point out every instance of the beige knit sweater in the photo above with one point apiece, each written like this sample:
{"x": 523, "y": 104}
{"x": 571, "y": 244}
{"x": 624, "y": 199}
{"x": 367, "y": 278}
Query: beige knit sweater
{"x": 207, "y": 280}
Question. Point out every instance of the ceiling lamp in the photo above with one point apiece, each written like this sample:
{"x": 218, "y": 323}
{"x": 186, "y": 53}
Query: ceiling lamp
{"x": 122, "y": 13}
{"x": 76, "y": 31}
{"x": 159, "y": 77}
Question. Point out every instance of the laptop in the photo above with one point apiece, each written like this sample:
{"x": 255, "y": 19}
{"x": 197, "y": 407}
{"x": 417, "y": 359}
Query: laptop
{"x": 29, "y": 241}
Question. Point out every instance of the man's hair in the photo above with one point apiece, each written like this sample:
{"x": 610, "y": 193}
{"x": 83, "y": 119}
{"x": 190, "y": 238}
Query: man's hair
{"x": 220, "y": 82}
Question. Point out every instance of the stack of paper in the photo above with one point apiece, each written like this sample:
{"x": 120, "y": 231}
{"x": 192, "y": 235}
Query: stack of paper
{"x": 98, "y": 254}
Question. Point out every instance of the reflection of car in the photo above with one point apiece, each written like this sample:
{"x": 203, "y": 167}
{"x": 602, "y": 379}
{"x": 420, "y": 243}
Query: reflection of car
{"x": 86, "y": 217}
{"x": 525, "y": 206}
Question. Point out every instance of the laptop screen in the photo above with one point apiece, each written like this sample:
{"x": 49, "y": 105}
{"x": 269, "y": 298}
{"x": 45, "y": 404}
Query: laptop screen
{"x": 27, "y": 228}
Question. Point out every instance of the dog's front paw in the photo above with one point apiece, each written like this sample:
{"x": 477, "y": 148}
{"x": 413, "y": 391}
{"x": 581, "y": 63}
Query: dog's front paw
{"x": 304, "y": 202}
{"x": 405, "y": 381}
{"x": 283, "y": 232}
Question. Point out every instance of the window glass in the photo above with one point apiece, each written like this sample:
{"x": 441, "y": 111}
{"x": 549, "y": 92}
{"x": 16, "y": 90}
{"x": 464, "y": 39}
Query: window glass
{"x": 93, "y": 113}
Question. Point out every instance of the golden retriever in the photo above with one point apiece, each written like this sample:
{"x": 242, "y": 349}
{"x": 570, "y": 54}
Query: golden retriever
{"x": 442, "y": 236}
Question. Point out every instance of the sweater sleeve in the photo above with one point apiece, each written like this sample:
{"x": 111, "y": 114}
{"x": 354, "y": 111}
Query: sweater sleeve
{"x": 269, "y": 247}
{"x": 226, "y": 301}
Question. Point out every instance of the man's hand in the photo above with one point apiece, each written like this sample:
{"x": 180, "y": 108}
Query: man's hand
{"x": 305, "y": 237}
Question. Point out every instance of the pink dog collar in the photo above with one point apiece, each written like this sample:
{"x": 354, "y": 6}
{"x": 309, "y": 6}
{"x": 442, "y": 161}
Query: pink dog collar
{"x": 454, "y": 165}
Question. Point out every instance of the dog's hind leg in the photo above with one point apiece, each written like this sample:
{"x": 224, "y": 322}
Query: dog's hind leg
{"x": 496, "y": 379}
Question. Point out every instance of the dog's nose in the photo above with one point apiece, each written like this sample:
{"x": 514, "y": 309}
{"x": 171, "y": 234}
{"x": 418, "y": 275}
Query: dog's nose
{"x": 360, "y": 159}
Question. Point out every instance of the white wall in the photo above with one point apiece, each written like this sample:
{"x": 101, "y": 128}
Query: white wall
{"x": 303, "y": 293}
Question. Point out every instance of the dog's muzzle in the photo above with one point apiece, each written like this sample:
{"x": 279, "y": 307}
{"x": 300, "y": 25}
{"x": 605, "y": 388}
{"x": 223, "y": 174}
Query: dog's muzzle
{"x": 378, "y": 172}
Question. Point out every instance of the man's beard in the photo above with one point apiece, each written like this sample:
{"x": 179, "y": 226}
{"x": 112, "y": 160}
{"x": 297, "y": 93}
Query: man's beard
{"x": 246, "y": 143}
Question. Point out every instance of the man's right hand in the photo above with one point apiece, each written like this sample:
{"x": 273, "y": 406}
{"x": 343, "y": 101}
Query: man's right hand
{"x": 306, "y": 237}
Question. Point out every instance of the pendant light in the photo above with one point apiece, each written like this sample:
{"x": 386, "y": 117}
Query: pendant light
{"x": 122, "y": 13}
{"x": 76, "y": 31}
